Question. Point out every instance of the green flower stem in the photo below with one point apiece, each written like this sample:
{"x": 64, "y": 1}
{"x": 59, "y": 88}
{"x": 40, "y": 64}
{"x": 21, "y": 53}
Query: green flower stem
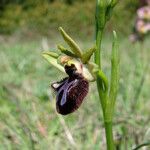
{"x": 107, "y": 97}
{"x": 99, "y": 35}
{"x": 109, "y": 136}
{"x": 102, "y": 85}
{"x": 108, "y": 100}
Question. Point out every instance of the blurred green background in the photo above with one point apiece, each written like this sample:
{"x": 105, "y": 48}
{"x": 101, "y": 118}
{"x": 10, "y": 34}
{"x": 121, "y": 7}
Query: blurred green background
{"x": 44, "y": 16}
{"x": 28, "y": 119}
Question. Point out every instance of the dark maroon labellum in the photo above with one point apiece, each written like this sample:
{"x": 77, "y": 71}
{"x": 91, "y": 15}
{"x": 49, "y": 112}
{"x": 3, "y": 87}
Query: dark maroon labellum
{"x": 71, "y": 91}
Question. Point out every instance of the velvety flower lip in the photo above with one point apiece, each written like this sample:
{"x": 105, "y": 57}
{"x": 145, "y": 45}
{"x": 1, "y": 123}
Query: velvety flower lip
{"x": 71, "y": 91}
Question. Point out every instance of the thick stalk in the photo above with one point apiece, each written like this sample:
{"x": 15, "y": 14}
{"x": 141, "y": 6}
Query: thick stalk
{"x": 107, "y": 98}
{"x": 103, "y": 96}
{"x": 108, "y": 117}
{"x": 109, "y": 136}
{"x": 99, "y": 35}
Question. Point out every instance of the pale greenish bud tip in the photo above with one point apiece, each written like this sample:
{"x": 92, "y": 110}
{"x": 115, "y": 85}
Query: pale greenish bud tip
{"x": 115, "y": 35}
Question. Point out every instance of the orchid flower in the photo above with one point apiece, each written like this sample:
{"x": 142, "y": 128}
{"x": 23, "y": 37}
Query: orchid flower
{"x": 71, "y": 91}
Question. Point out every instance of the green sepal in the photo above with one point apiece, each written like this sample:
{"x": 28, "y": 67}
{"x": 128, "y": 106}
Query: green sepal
{"x": 52, "y": 60}
{"x": 87, "y": 55}
{"x": 52, "y": 54}
{"x": 66, "y": 52}
{"x": 74, "y": 47}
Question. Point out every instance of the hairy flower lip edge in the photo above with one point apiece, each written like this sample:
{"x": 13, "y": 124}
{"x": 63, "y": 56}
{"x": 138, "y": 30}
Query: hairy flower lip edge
{"x": 70, "y": 91}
